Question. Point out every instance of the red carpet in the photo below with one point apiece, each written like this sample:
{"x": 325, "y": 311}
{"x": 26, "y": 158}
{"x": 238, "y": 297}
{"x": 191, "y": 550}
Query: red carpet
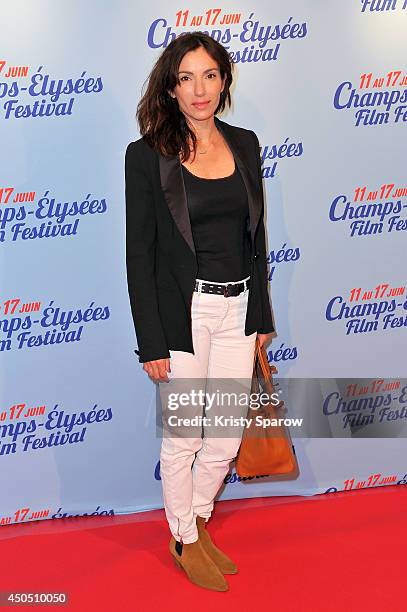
{"x": 343, "y": 551}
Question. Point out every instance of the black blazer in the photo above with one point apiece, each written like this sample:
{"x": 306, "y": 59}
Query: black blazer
{"x": 160, "y": 254}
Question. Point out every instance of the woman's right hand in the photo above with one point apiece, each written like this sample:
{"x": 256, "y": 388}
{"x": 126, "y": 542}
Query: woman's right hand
{"x": 157, "y": 369}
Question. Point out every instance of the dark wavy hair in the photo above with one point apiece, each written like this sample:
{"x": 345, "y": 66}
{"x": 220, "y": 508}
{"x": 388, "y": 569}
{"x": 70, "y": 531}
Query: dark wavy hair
{"x": 161, "y": 122}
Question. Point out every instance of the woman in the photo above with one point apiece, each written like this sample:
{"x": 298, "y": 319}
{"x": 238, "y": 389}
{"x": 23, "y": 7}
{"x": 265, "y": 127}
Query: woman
{"x": 197, "y": 275}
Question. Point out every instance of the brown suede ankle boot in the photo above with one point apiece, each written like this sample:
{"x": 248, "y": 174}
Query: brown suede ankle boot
{"x": 198, "y": 566}
{"x": 225, "y": 565}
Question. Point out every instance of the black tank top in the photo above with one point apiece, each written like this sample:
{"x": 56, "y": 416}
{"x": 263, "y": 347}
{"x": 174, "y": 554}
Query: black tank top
{"x": 219, "y": 215}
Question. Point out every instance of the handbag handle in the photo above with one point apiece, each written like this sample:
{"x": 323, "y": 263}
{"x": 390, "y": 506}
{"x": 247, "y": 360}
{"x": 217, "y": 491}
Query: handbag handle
{"x": 261, "y": 355}
{"x": 266, "y": 370}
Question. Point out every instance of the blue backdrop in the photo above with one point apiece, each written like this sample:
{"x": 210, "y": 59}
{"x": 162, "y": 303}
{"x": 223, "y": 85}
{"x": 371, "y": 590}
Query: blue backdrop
{"x": 324, "y": 86}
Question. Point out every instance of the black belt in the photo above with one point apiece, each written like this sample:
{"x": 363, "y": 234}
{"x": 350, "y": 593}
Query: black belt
{"x": 225, "y": 290}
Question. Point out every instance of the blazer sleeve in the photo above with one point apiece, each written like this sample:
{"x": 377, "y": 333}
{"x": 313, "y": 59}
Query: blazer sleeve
{"x": 267, "y": 318}
{"x": 141, "y": 235}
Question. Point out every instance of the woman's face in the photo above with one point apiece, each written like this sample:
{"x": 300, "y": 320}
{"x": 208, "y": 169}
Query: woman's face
{"x": 200, "y": 85}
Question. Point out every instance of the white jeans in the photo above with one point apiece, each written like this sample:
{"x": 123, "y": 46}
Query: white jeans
{"x": 193, "y": 468}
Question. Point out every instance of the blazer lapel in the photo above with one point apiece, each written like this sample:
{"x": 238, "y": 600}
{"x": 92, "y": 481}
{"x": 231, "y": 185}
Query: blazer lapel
{"x": 172, "y": 184}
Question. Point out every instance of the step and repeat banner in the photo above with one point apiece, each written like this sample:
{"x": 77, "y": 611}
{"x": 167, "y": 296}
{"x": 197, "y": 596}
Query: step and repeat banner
{"x": 324, "y": 86}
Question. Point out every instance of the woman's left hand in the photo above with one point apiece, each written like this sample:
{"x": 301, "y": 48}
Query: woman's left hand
{"x": 264, "y": 338}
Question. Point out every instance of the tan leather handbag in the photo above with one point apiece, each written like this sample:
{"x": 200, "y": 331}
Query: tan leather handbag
{"x": 266, "y": 451}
